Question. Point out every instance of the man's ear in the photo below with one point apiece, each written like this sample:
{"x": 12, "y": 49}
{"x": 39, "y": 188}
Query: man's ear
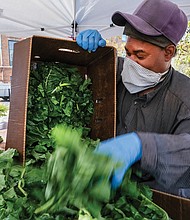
{"x": 170, "y": 52}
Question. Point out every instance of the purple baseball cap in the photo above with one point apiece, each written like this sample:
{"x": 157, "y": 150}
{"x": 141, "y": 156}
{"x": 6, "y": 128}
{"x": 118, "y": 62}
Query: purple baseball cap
{"x": 155, "y": 18}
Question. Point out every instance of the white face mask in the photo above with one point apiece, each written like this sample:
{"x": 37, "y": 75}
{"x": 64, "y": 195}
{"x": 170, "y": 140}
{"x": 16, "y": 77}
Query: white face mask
{"x": 136, "y": 78}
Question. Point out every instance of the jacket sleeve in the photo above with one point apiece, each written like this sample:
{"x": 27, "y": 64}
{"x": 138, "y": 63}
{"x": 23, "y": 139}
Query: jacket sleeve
{"x": 167, "y": 156}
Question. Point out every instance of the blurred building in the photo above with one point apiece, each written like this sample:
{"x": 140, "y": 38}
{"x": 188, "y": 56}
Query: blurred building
{"x": 6, "y": 57}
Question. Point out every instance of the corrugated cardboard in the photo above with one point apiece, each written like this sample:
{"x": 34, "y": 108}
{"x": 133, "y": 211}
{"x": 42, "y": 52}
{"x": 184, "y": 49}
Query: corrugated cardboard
{"x": 99, "y": 66}
{"x": 178, "y": 208}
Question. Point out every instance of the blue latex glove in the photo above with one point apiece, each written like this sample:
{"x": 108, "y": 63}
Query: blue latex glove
{"x": 90, "y": 40}
{"x": 125, "y": 149}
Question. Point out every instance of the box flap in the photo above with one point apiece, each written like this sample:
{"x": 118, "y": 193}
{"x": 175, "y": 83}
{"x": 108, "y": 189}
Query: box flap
{"x": 178, "y": 208}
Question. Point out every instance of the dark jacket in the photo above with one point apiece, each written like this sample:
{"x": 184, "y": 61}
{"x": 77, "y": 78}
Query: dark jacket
{"x": 162, "y": 120}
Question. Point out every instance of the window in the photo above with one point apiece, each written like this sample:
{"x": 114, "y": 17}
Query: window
{"x": 11, "y": 49}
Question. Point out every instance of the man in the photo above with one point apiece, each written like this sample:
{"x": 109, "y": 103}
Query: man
{"x": 153, "y": 105}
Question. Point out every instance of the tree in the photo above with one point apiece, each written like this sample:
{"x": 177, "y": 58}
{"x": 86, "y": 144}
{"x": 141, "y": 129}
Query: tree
{"x": 181, "y": 61}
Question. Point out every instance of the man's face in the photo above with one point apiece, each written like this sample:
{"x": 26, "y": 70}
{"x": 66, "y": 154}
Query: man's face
{"x": 147, "y": 55}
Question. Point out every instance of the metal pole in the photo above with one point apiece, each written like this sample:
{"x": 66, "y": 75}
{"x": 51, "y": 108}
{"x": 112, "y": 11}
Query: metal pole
{"x": 74, "y": 21}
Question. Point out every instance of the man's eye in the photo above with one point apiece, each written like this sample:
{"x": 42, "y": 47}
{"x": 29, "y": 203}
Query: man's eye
{"x": 140, "y": 57}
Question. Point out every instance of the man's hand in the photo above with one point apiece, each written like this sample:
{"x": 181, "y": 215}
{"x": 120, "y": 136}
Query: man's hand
{"x": 125, "y": 150}
{"x": 90, "y": 40}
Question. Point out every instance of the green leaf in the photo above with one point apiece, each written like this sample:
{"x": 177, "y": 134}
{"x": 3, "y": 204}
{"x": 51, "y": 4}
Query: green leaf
{"x": 10, "y": 194}
{"x": 2, "y": 182}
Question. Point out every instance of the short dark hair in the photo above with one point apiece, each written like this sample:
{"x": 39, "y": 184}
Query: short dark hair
{"x": 160, "y": 41}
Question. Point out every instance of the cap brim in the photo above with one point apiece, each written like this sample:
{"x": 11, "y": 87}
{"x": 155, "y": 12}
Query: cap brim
{"x": 140, "y": 25}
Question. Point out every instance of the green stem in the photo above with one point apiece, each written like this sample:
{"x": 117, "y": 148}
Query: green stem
{"x": 20, "y": 183}
{"x": 45, "y": 206}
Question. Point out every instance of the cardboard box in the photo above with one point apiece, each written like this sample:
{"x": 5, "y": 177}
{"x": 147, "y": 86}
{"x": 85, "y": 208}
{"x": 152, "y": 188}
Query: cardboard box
{"x": 178, "y": 208}
{"x": 99, "y": 66}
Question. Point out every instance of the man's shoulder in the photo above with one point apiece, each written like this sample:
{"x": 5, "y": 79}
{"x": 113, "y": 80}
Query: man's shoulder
{"x": 180, "y": 86}
{"x": 180, "y": 80}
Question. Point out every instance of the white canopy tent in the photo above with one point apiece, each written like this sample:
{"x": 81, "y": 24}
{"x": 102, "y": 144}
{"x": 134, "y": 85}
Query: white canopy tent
{"x": 59, "y": 18}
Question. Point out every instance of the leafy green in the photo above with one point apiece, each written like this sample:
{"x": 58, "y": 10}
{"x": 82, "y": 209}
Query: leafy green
{"x": 57, "y": 94}
{"x": 62, "y": 177}
{"x": 133, "y": 201}
{"x": 3, "y": 110}
{"x": 51, "y": 87}
{"x": 80, "y": 178}
{"x": 76, "y": 176}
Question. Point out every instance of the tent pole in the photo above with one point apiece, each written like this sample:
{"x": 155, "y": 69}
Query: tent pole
{"x": 74, "y": 22}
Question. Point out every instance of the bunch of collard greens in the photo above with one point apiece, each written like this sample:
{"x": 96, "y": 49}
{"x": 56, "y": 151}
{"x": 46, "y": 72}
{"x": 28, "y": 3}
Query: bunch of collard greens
{"x": 57, "y": 94}
{"x": 62, "y": 177}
